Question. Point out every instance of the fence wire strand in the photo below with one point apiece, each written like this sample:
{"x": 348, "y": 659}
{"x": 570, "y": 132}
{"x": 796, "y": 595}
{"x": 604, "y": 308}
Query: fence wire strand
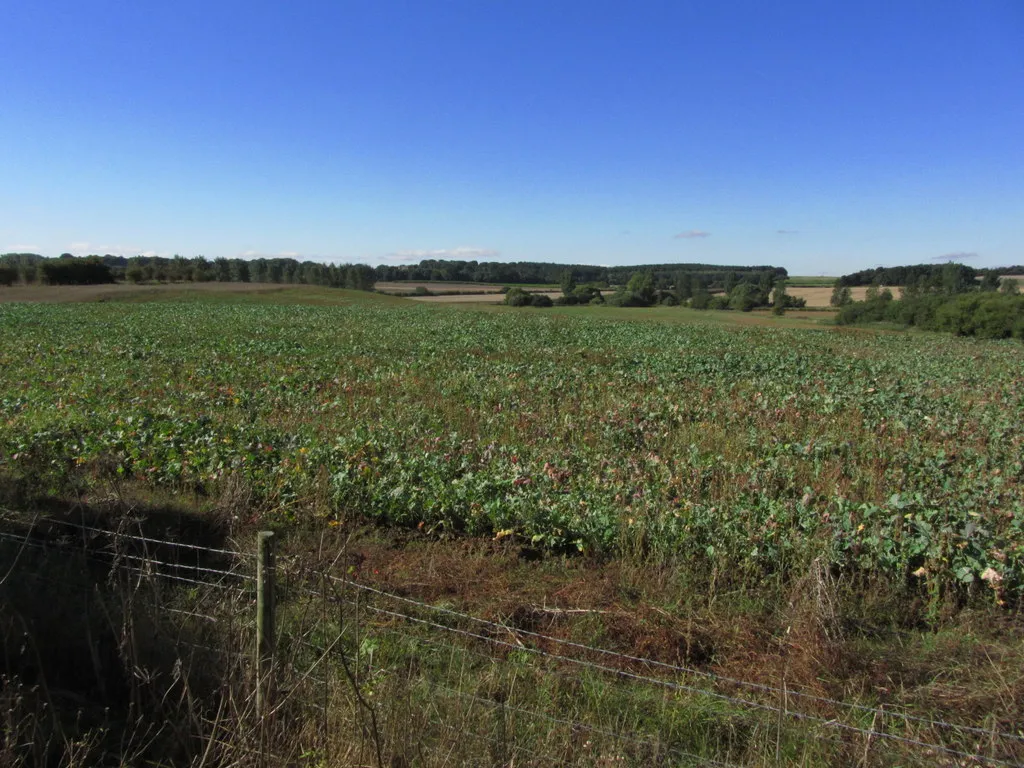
{"x": 27, "y": 541}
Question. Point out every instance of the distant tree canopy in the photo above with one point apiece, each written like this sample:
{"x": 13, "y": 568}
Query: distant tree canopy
{"x": 67, "y": 270}
{"x": 948, "y": 297}
{"x": 71, "y": 270}
{"x": 535, "y": 272}
{"x": 949, "y": 277}
{"x": 986, "y": 314}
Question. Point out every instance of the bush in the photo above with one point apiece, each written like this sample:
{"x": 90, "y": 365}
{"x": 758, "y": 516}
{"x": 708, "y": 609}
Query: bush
{"x": 74, "y": 271}
{"x": 700, "y": 300}
{"x": 626, "y": 298}
{"x": 585, "y": 294}
{"x": 985, "y": 314}
{"x": 517, "y": 297}
{"x": 8, "y": 275}
{"x": 746, "y": 296}
{"x": 540, "y": 300}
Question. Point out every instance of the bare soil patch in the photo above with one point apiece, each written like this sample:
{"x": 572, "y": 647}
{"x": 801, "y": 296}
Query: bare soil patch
{"x": 402, "y": 286}
{"x": 819, "y": 297}
{"x": 114, "y": 291}
{"x": 479, "y": 298}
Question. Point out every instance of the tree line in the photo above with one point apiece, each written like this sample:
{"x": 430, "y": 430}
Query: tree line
{"x": 951, "y": 300}
{"x": 90, "y": 270}
{"x": 925, "y": 276}
{"x": 713, "y": 276}
{"x": 742, "y": 291}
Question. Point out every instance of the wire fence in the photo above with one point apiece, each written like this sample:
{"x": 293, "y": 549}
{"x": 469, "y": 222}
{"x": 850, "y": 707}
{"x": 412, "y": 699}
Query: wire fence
{"x": 358, "y": 655}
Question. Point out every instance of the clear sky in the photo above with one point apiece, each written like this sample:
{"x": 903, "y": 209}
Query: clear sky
{"x": 821, "y": 135}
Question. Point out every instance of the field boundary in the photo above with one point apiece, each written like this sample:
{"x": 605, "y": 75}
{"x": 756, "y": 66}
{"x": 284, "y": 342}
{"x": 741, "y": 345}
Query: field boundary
{"x": 494, "y": 641}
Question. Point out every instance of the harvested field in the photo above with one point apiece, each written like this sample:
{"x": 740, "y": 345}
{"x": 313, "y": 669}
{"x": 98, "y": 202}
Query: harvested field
{"x": 819, "y": 297}
{"x": 479, "y": 298}
{"x": 402, "y": 286}
{"x": 126, "y": 291}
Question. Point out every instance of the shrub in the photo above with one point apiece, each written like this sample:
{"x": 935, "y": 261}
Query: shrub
{"x": 626, "y": 298}
{"x": 984, "y": 314}
{"x": 540, "y": 300}
{"x": 74, "y": 271}
{"x": 517, "y": 297}
{"x": 585, "y": 294}
{"x": 745, "y": 297}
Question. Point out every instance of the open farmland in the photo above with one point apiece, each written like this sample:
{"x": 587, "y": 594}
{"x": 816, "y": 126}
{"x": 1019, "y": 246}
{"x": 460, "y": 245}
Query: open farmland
{"x": 820, "y": 296}
{"x": 478, "y": 298}
{"x": 813, "y": 512}
{"x": 747, "y": 450}
{"x": 408, "y": 286}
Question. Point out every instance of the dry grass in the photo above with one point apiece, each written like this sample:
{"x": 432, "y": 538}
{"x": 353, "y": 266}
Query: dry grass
{"x": 479, "y": 298}
{"x": 405, "y": 286}
{"x": 121, "y": 291}
{"x": 819, "y": 297}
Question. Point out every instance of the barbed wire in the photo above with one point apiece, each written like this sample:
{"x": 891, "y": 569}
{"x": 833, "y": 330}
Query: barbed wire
{"x": 796, "y": 714}
{"x": 650, "y": 741}
{"x": 182, "y": 566}
{"x": 140, "y": 537}
{"x": 678, "y": 668}
{"x": 109, "y": 559}
{"x": 578, "y": 725}
{"x": 794, "y": 693}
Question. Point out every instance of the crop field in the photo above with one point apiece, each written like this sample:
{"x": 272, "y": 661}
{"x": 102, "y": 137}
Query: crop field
{"x": 744, "y": 451}
{"x": 809, "y": 281}
{"x": 820, "y": 296}
{"x": 407, "y": 286}
{"x": 478, "y": 298}
{"x": 836, "y": 513}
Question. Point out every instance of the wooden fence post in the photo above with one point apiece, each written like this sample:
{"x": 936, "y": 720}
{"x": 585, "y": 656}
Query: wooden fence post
{"x": 264, "y": 617}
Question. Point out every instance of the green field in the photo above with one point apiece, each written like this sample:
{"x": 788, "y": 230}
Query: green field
{"x": 741, "y": 448}
{"x": 809, "y": 281}
{"x": 721, "y": 463}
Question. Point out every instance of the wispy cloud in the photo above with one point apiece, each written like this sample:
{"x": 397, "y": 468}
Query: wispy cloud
{"x": 693, "y": 234}
{"x": 21, "y": 248}
{"x": 959, "y": 256}
{"x": 462, "y": 253}
{"x": 787, "y": 231}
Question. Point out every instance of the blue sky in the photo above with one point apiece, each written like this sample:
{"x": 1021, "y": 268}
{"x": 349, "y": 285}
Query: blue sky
{"x": 817, "y": 135}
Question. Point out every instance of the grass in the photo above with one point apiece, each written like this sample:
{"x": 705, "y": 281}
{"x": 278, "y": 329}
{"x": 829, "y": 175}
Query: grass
{"x": 809, "y": 281}
{"x": 766, "y": 499}
{"x": 232, "y": 293}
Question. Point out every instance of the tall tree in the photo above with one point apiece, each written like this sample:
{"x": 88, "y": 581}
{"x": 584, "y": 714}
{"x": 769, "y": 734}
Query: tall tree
{"x": 568, "y": 283}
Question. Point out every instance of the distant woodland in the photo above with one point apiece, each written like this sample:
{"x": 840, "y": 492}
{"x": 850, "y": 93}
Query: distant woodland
{"x": 92, "y": 270}
{"x": 545, "y": 273}
{"x": 949, "y": 297}
{"x": 945, "y": 297}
